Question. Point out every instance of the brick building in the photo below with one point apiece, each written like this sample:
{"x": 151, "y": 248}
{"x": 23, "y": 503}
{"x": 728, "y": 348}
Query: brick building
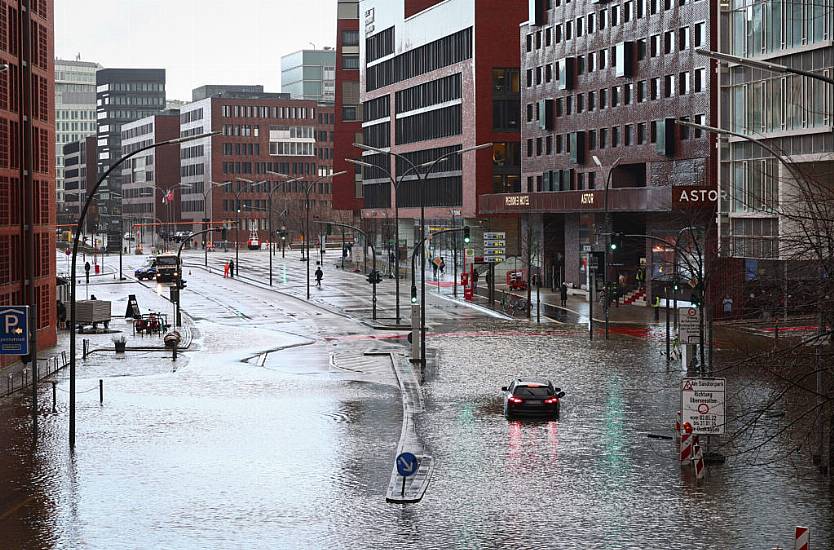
{"x": 151, "y": 180}
{"x": 260, "y": 132}
{"x": 347, "y": 188}
{"x": 602, "y": 84}
{"x": 437, "y": 77}
{"x": 27, "y": 163}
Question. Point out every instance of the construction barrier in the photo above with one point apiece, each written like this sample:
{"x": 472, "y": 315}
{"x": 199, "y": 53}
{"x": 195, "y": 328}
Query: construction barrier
{"x": 802, "y": 539}
{"x": 685, "y": 448}
{"x": 698, "y": 459}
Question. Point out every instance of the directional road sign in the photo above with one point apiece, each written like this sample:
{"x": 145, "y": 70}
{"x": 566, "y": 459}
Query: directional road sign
{"x": 14, "y": 330}
{"x": 495, "y": 246}
{"x": 702, "y": 405}
{"x": 690, "y": 325}
{"x": 407, "y": 464}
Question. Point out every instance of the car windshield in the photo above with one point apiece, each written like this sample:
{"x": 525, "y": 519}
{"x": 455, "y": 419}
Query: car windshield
{"x": 537, "y": 391}
{"x": 166, "y": 260}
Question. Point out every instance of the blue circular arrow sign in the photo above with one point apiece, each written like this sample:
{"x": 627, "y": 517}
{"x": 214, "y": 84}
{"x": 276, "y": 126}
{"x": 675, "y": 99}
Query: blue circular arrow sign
{"x": 407, "y": 464}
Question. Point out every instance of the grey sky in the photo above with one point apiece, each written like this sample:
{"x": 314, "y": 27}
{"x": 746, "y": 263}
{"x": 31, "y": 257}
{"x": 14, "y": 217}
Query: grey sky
{"x": 197, "y": 41}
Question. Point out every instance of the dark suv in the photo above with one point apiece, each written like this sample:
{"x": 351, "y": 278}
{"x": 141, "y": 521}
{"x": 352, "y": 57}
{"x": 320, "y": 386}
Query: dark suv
{"x": 532, "y": 398}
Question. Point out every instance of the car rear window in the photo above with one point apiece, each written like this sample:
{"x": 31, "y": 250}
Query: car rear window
{"x": 538, "y": 392}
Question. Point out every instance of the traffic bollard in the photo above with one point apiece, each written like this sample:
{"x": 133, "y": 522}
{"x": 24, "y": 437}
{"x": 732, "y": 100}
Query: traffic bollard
{"x": 698, "y": 460}
{"x": 54, "y": 397}
{"x": 802, "y": 539}
{"x": 100, "y": 391}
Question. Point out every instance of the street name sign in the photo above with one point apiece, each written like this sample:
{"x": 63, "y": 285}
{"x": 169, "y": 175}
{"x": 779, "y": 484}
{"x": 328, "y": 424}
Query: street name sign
{"x": 407, "y": 464}
{"x": 702, "y": 405}
{"x": 14, "y": 330}
{"x": 690, "y": 325}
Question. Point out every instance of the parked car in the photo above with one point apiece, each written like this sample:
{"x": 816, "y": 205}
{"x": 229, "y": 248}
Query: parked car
{"x": 532, "y": 398}
{"x": 180, "y": 236}
{"x": 147, "y": 272}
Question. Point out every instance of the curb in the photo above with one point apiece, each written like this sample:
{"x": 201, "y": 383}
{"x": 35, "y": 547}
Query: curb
{"x": 416, "y": 485}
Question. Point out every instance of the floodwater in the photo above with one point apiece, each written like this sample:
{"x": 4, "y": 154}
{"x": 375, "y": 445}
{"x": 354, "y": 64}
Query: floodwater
{"x": 287, "y": 452}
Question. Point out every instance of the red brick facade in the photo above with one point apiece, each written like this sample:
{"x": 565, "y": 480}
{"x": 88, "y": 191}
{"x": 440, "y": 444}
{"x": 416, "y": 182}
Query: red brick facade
{"x": 15, "y": 156}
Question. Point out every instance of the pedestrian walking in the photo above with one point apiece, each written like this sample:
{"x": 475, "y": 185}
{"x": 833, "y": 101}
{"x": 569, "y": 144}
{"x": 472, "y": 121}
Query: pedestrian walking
{"x": 656, "y": 306}
{"x": 442, "y": 267}
{"x": 563, "y": 294}
{"x": 475, "y": 277}
{"x": 231, "y": 269}
{"x": 434, "y": 270}
{"x": 319, "y": 276}
{"x": 225, "y": 269}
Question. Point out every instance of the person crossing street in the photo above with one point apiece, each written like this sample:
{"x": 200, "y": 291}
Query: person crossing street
{"x": 319, "y": 276}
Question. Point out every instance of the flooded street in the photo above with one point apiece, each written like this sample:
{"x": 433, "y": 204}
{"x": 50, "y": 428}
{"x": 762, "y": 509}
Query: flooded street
{"x": 258, "y": 441}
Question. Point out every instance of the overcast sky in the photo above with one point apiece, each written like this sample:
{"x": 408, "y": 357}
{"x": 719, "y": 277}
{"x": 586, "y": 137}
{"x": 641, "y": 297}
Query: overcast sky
{"x": 197, "y": 41}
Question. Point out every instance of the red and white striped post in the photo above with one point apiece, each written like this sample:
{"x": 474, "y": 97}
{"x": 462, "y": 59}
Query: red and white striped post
{"x": 698, "y": 459}
{"x": 802, "y": 539}
{"x": 686, "y": 444}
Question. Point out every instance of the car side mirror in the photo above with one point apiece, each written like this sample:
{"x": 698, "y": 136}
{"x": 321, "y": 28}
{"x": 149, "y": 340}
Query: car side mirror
{"x": 503, "y": 388}
{"x": 560, "y": 395}
{"x": 557, "y": 390}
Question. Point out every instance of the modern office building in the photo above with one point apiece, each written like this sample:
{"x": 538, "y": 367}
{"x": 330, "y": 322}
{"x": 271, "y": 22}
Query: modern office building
{"x": 602, "y": 85}
{"x": 347, "y": 188}
{"x": 151, "y": 193}
{"x": 79, "y": 175}
{"x": 27, "y": 166}
{"x": 122, "y": 96}
{"x": 75, "y": 113}
{"x": 436, "y": 77}
{"x": 309, "y": 74}
{"x": 261, "y": 132}
{"x": 791, "y": 113}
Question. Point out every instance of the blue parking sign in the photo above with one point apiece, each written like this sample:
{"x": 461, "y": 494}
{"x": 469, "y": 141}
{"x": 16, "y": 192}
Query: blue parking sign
{"x": 14, "y": 330}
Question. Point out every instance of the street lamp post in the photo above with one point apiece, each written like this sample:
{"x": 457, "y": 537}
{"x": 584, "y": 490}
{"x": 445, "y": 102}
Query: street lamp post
{"x": 395, "y": 183}
{"x": 421, "y": 179}
{"x": 272, "y": 189}
{"x": 608, "y": 229}
{"x": 79, "y": 225}
{"x": 209, "y": 188}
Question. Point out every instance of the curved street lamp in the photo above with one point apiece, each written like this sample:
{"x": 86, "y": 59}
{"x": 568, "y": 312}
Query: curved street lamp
{"x": 421, "y": 179}
{"x": 90, "y": 195}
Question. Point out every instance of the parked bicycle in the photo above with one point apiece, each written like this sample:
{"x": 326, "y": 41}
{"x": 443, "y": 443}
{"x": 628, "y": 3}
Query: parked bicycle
{"x": 513, "y": 305}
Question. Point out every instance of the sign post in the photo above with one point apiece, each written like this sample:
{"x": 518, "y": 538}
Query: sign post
{"x": 495, "y": 246}
{"x": 702, "y": 405}
{"x": 14, "y": 330}
{"x": 407, "y": 465}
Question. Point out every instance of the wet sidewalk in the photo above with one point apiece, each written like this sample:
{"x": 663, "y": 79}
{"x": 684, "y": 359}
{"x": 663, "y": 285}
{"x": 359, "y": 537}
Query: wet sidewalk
{"x": 96, "y": 355}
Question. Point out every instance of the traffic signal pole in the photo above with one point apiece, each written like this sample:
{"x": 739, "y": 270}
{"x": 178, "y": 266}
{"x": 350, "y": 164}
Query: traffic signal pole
{"x": 374, "y": 277}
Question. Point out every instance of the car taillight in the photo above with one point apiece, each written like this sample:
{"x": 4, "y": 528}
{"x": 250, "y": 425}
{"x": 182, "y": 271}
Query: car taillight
{"x": 551, "y": 400}
{"x": 514, "y": 399}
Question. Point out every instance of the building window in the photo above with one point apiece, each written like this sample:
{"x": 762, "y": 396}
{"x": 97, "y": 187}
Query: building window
{"x": 700, "y": 77}
{"x": 615, "y": 16}
{"x": 350, "y": 38}
{"x": 592, "y": 100}
{"x": 591, "y": 26}
{"x": 683, "y": 39}
{"x": 548, "y": 145}
{"x": 641, "y": 49}
{"x": 700, "y": 34}
{"x": 627, "y": 129}
{"x": 668, "y": 85}
{"x": 641, "y": 133}
{"x": 603, "y": 138}
{"x": 654, "y": 45}
{"x": 683, "y": 83}
{"x": 603, "y": 98}
{"x": 548, "y": 37}
{"x": 529, "y": 147}
{"x": 615, "y": 136}
{"x": 668, "y": 39}
{"x": 615, "y": 96}
{"x": 580, "y": 24}
{"x": 529, "y": 43}
{"x": 350, "y": 61}
{"x": 654, "y": 92}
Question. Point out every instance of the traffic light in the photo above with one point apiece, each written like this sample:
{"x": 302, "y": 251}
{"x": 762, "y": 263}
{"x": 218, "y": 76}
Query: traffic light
{"x": 181, "y": 284}
{"x": 413, "y": 294}
{"x": 223, "y": 233}
{"x": 466, "y": 237}
{"x": 329, "y": 229}
{"x": 374, "y": 277}
{"x": 616, "y": 242}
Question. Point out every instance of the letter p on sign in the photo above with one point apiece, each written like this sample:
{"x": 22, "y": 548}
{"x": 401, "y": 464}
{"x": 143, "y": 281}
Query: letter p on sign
{"x": 10, "y": 322}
